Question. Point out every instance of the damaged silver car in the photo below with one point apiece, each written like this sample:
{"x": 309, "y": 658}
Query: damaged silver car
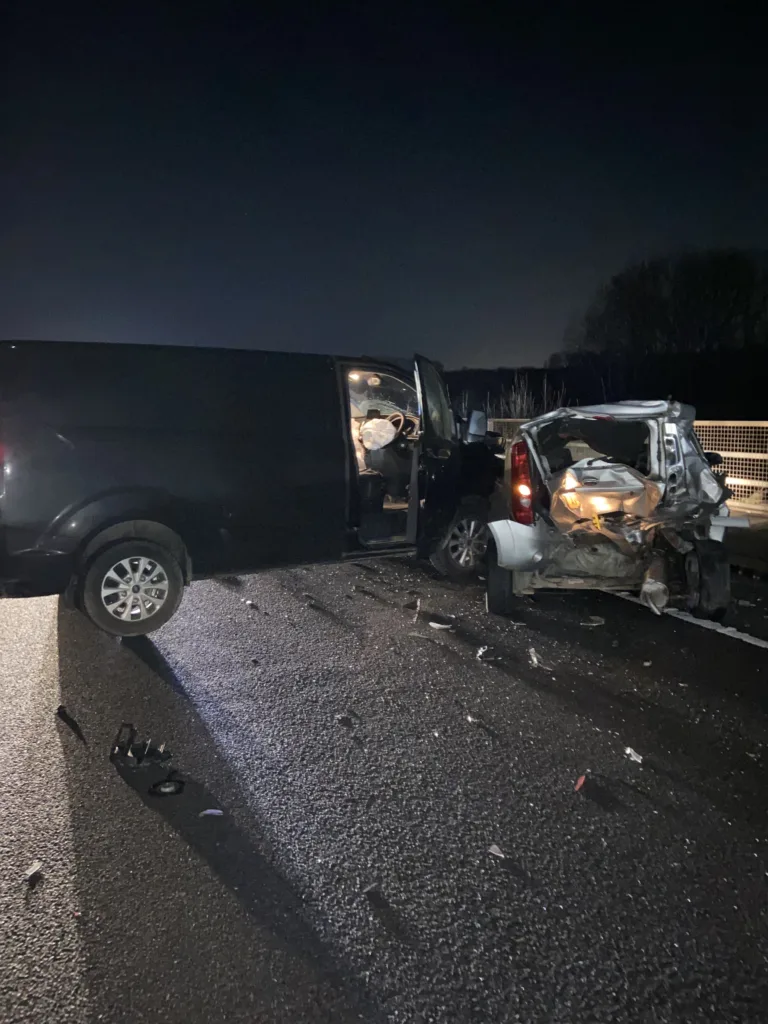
{"x": 613, "y": 497}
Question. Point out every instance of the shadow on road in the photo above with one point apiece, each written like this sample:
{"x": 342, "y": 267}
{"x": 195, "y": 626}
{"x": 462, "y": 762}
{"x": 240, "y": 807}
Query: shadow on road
{"x": 183, "y": 916}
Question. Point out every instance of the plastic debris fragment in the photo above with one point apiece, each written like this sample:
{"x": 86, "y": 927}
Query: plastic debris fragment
{"x": 63, "y": 715}
{"x": 133, "y": 754}
{"x": 211, "y": 812}
{"x": 250, "y": 604}
{"x": 633, "y": 755}
{"x": 442, "y": 621}
{"x": 647, "y": 664}
{"x": 580, "y": 782}
{"x": 594, "y": 620}
{"x": 496, "y": 852}
{"x": 170, "y": 786}
{"x": 534, "y": 657}
{"x": 33, "y": 872}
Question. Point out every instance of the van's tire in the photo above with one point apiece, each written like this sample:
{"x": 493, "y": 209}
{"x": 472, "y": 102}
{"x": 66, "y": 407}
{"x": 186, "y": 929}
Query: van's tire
{"x": 461, "y": 556}
{"x": 499, "y": 588}
{"x": 158, "y": 577}
{"x": 708, "y": 580}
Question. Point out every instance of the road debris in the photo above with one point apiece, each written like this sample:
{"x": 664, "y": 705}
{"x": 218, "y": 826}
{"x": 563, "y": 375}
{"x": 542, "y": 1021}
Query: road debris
{"x": 496, "y": 852}
{"x": 423, "y": 636}
{"x": 580, "y": 782}
{"x": 746, "y": 604}
{"x": 442, "y": 621}
{"x": 481, "y": 725}
{"x": 132, "y": 754}
{"x": 71, "y": 723}
{"x": 211, "y": 812}
{"x": 33, "y": 873}
{"x": 169, "y": 786}
{"x": 534, "y": 658}
{"x": 633, "y": 755}
{"x": 345, "y": 720}
{"x": 375, "y": 896}
{"x": 647, "y": 664}
{"x": 594, "y": 620}
{"x": 251, "y": 604}
{"x": 485, "y": 655}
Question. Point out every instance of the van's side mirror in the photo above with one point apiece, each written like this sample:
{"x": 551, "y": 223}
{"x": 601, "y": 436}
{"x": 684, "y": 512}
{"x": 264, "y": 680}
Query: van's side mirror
{"x": 713, "y": 458}
{"x": 477, "y": 427}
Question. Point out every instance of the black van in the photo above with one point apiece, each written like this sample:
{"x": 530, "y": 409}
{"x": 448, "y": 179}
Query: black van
{"x": 130, "y": 470}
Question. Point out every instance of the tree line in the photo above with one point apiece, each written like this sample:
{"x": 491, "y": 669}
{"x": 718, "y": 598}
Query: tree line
{"x": 693, "y": 326}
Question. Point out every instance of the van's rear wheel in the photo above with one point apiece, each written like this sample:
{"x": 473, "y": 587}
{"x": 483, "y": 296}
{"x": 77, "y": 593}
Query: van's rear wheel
{"x": 708, "y": 580}
{"x": 132, "y": 587}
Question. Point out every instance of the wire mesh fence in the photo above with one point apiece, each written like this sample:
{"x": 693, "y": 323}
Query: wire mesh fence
{"x": 743, "y": 445}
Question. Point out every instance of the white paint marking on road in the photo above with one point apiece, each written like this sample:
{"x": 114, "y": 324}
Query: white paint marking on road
{"x": 675, "y": 613}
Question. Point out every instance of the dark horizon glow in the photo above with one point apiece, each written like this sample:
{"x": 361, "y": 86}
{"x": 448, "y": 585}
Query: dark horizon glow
{"x": 381, "y": 180}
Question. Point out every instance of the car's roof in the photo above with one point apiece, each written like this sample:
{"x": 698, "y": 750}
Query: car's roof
{"x": 635, "y": 410}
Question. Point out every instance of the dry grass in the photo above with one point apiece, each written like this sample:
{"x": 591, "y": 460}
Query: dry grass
{"x": 518, "y": 402}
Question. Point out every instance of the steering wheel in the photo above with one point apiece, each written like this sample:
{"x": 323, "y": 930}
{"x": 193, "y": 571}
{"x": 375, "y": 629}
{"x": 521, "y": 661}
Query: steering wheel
{"x": 398, "y": 422}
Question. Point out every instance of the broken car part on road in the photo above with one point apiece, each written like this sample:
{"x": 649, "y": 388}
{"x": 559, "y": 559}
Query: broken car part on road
{"x": 128, "y": 754}
{"x": 613, "y": 497}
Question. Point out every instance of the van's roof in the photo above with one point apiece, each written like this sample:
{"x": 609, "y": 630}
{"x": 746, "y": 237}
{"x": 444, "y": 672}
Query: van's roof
{"x": 398, "y": 363}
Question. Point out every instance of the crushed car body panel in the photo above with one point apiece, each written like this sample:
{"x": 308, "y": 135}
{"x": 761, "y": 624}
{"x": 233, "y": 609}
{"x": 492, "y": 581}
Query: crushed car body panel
{"x": 620, "y": 490}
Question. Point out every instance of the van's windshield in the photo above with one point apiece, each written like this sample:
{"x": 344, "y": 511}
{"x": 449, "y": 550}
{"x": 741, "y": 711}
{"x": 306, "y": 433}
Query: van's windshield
{"x": 381, "y": 392}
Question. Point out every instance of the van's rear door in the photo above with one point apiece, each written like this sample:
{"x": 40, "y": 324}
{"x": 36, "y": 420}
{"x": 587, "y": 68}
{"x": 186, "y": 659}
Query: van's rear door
{"x": 433, "y": 502}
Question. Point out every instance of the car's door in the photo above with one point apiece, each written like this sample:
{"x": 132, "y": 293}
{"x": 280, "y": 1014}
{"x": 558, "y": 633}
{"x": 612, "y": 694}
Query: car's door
{"x": 435, "y": 494}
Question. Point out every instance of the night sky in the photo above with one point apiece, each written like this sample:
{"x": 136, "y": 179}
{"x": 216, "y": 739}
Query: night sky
{"x": 359, "y": 178}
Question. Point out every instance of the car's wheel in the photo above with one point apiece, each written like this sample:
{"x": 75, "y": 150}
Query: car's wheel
{"x": 462, "y": 554}
{"x": 132, "y": 587}
{"x": 708, "y": 580}
{"x": 499, "y": 588}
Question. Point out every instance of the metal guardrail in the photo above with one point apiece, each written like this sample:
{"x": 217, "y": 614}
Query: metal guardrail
{"x": 743, "y": 445}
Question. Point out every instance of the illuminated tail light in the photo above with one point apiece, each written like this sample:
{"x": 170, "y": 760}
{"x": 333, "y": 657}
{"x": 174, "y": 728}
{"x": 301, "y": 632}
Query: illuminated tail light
{"x": 522, "y": 487}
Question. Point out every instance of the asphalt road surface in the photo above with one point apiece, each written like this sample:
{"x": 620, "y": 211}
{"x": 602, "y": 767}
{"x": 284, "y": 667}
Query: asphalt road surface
{"x": 366, "y": 763}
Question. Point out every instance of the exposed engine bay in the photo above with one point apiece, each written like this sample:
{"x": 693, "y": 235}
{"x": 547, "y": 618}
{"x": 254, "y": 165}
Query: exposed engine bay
{"x": 616, "y": 497}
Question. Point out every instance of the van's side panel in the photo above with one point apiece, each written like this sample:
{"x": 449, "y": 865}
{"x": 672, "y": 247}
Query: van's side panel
{"x": 242, "y": 453}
